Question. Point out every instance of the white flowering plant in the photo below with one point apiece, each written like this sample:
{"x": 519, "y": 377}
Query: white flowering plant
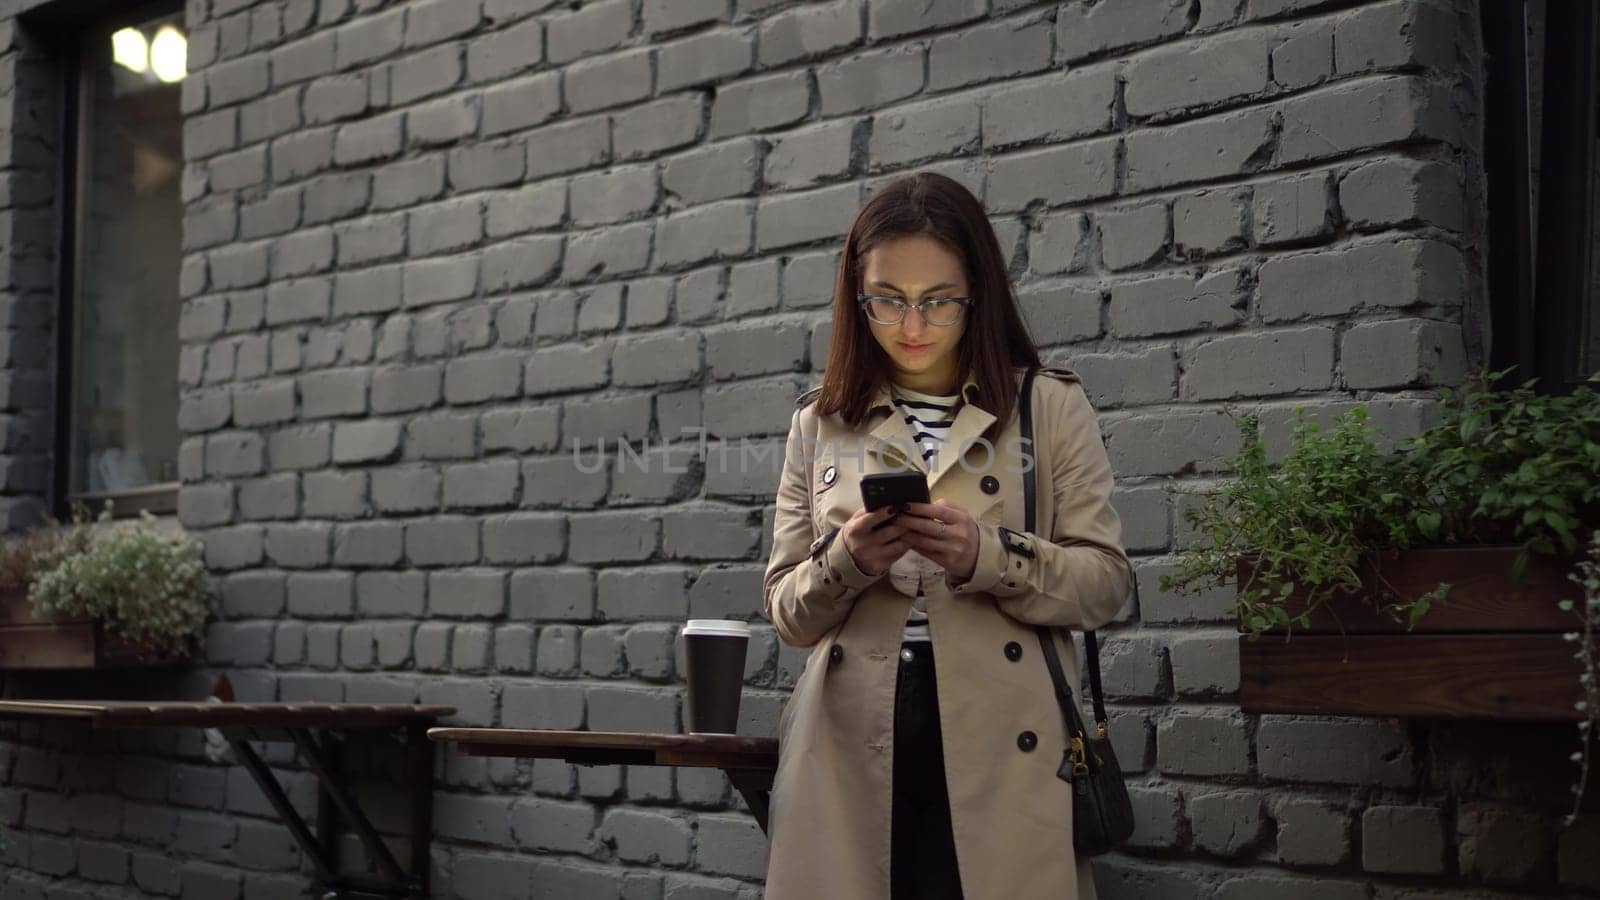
{"x": 143, "y": 582}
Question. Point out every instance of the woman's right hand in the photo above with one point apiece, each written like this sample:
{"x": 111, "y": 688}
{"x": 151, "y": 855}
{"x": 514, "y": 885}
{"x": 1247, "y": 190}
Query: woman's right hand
{"x": 874, "y": 551}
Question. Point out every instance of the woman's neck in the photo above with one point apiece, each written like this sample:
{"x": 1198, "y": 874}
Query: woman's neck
{"x": 937, "y": 382}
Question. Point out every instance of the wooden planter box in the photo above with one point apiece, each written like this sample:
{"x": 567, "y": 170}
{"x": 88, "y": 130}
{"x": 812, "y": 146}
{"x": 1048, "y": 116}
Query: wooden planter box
{"x": 1492, "y": 650}
{"x": 28, "y": 641}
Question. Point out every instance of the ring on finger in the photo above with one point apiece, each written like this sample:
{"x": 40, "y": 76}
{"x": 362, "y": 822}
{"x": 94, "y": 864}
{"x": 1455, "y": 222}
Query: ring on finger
{"x": 942, "y": 526}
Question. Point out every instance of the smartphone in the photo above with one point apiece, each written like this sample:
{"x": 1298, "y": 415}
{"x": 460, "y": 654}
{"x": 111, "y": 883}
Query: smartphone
{"x": 893, "y": 489}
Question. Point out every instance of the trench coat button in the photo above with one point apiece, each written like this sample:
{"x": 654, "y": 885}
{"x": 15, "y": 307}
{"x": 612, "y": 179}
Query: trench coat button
{"x": 1013, "y": 651}
{"x": 990, "y": 484}
{"x": 1026, "y": 741}
{"x": 835, "y": 654}
{"x": 829, "y": 474}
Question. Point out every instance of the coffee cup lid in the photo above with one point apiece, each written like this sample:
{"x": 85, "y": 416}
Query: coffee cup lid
{"x": 717, "y": 627}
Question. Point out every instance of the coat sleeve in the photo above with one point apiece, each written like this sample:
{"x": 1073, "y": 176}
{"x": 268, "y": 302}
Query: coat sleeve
{"x": 1079, "y": 576}
{"x": 811, "y": 581}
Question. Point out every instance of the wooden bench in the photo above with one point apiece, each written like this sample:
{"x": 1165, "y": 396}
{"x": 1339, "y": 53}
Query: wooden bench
{"x": 309, "y": 726}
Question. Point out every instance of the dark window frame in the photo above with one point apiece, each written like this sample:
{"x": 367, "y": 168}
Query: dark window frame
{"x": 65, "y": 19}
{"x": 1536, "y": 319}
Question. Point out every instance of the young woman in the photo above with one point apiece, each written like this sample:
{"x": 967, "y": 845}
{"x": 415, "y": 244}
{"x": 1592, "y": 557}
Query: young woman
{"x": 920, "y": 746}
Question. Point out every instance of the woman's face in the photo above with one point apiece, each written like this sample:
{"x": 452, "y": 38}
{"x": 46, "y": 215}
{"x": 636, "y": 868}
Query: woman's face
{"x": 914, "y": 268}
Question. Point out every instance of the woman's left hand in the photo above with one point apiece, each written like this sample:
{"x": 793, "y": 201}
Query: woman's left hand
{"x": 945, "y": 533}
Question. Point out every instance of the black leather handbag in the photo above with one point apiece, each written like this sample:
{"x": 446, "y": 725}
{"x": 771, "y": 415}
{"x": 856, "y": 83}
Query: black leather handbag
{"x": 1102, "y": 814}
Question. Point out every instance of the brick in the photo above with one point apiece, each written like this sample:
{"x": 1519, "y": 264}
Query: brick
{"x": 1226, "y": 824}
{"x": 1333, "y": 752}
{"x": 810, "y": 31}
{"x": 1127, "y": 379}
{"x": 335, "y": 97}
{"x": 495, "y": 56}
{"x": 1085, "y": 30}
{"x": 892, "y": 18}
{"x": 553, "y": 826}
{"x": 1312, "y": 833}
{"x": 1305, "y": 56}
{"x": 405, "y": 489}
{"x": 756, "y": 350}
{"x": 1402, "y": 840}
{"x": 1197, "y": 74}
{"x": 1396, "y": 192}
{"x": 1210, "y": 223}
{"x": 607, "y": 81}
{"x": 369, "y": 38}
{"x": 594, "y": 28}
{"x": 387, "y": 593}
{"x": 658, "y": 126}
{"x": 1174, "y": 303}
{"x": 1135, "y": 236}
{"x": 1157, "y": 817}
{"x": 1394, "y": 35}
{"x": 568, "y": 146}
{"x": 1003, "y": 49}
{"x": 533, "y": 208}
{"x": 730, "y": 844}
{"x": 789, "y": 219}
{"x": 911, "y": 133}
{"x": 1293, "y": 210}
{"x": 706, "y": 57}
{"x": 521, "y": 104}
{"x": 1192, "y": 743}
{"x": 458, "y": 593}
{"x": 1369, "y": 276}
{"x": 239, "y": 80}
{"x": 1052, "y": 108}
{"x": 650, "y": 593}
{"x": 440, "y": 20}
{"x": 825, "y": 152}
{"x": 614, "y": 708}
{"x": 442, "y": 121}
{"x": 1402, "y": 353}
{"x": 1137, "y": 668}
{"x": 1282, "y": 362}
{"x": 713, "y": 172}
{"x": 659, "y": 358}
{"x": 556, "y": 482}
{"x": 615, "y": 195}
{"x": 1217, "y": 147}
{"x": 866, "y": 81}
{"x": 759, "y": 104}
{"x": 617, "y": 250}
{"x": 613, "y": 537}
{"x": 552, "y": 594}
{"x": 1057, "y": 175}
{"x": 408, "y": 182}
{"x": 1206, "y": 665}
{"x": 708, "y": 533}
{"x": 485, "y": 820}
{"x": 747, "y": 409}
{"x": 1341, "y": 119}
{"x": 484, "y": 485}
{"x": 532, "y": 261}
{"x": 716, "y": 231}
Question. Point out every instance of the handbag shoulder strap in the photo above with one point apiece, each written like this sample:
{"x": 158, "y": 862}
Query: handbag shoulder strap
{"x": 1030, "y": 492}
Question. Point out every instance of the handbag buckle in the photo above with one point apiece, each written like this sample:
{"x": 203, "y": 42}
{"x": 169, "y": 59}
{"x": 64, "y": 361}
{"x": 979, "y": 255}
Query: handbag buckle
{"x": 1079, "y": 755}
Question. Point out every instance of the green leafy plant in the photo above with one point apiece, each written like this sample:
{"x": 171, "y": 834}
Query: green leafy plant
{"x": 1588, "y": 577}
{"x": 1501, "y": 466}
{"x": 144, "y": 582}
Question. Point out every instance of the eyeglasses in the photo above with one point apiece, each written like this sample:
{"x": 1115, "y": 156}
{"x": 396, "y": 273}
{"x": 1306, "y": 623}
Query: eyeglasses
{"x": 941, "y": 311}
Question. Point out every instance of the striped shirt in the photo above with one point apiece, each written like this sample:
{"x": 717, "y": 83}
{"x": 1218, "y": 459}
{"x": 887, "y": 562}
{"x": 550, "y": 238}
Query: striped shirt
{"x": 929, "y": 418}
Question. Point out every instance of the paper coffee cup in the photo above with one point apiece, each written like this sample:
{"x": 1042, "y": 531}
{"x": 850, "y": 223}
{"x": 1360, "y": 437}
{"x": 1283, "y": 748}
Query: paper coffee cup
{"x": 714, "y": 653}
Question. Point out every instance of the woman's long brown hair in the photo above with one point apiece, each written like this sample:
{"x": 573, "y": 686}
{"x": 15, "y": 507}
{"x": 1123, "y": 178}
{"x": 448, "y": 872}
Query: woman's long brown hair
{"x": 996, "y": 341}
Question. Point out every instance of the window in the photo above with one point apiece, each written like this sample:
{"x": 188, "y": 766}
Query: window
{"x": 1542, "y": 153}
{"x": 120, "y": 273}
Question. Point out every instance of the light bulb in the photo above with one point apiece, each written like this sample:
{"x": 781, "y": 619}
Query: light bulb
{"x": 129, "y": 50}
{"x": 169, "y": 54}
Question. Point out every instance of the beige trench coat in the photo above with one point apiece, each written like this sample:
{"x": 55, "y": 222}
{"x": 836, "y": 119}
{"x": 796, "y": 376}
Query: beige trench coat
{"x": 831, "y": 803}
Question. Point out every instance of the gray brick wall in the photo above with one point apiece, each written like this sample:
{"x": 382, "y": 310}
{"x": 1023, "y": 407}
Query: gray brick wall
{"x": 431, "y": 243}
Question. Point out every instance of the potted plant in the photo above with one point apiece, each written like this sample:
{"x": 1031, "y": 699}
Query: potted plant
{"x": 1436, "y": 578}
{"x": 94, "y": 594}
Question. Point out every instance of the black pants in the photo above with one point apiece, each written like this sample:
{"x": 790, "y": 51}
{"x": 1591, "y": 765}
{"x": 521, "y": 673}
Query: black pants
{"x": 923, "y": 850}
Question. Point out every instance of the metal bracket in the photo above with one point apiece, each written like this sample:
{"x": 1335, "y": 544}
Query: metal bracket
{"x": 335, "y": 802}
